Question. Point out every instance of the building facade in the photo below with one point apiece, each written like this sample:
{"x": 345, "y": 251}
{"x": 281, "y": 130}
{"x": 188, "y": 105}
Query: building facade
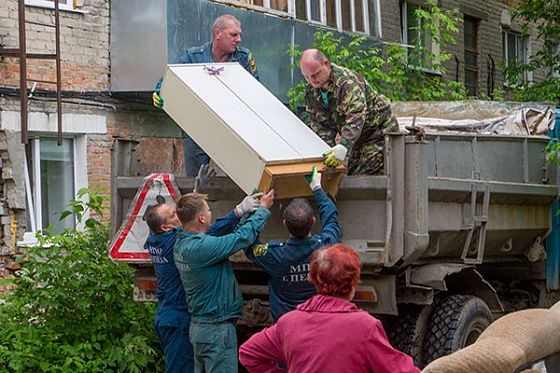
{"x": 113, "y": 53}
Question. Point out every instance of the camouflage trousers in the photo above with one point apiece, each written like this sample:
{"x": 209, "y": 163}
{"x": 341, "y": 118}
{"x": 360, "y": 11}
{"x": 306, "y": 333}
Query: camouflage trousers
{"x": 367, "y": 160}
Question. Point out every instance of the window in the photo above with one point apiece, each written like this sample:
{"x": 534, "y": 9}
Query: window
{"x": 515, "y": 51}
{"x": 417, "y": 40}
{"x": 280, "y": 5}
{"x": 58, "y": 172}
{"x": 471, "y": 55}
{"x": 44, "y": 157}
{"x": 344, "y": 15}
{"x": 62, "y": 4}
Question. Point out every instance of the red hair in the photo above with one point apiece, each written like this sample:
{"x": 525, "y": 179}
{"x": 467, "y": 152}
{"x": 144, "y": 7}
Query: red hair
{"x": 335, "y": 270}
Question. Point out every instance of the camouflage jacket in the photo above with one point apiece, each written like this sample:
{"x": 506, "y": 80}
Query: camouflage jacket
{"x": 351, "y": 108}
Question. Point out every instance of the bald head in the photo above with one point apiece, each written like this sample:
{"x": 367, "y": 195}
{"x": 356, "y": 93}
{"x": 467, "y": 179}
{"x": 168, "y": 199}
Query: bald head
{"x": 312, "y": 55}
{"x": 315, "y": 68}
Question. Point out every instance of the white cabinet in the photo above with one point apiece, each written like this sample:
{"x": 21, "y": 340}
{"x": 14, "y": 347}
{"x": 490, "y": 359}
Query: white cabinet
{"x": 252, "y": 136}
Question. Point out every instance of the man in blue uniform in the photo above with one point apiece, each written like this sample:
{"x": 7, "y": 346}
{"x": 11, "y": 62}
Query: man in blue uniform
{"x": 287, "y": 263}
{"x": 213, "y": 294}
{"x": 224, "y": 47}
{"x": 172, "y": 318}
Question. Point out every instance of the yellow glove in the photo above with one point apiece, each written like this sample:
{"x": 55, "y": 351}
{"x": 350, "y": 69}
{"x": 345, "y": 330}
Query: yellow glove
{"x": 157, "y": 100}
{"x": 335, "y": 156}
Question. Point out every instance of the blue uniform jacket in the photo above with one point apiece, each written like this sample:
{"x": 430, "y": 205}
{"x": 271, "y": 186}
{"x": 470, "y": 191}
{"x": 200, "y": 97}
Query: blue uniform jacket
{"x": 287, "y": 263}
{"x": 172, "y": 303}
{"x": 203, "y": 54}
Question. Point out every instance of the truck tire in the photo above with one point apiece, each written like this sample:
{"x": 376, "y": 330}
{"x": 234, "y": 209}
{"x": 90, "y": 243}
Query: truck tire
{"x": 456, "y": 321}
{"x": 407, "y": 331}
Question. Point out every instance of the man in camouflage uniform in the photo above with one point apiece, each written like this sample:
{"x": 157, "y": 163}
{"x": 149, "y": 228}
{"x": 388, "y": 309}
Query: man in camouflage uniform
{"x": 341, "y": 102}
{"x": 224, "y": 47}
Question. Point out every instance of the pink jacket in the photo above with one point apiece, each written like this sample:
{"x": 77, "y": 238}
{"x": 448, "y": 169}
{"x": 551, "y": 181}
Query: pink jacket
{"x": 324, "y": 334}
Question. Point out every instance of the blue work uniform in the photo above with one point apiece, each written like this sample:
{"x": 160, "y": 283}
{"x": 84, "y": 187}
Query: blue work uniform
{"x": 194, "y": 155}
{"x": 213, "y": 294}
{"x": 287, "y": 263}
{"x": 172, "y": 318}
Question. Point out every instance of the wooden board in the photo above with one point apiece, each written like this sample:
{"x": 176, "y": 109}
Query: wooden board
{"x": 288, "y": 180}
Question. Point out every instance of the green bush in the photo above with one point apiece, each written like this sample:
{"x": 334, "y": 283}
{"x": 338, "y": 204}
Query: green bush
{"x": 71, "y": 309}
{"x": 541, "y": 19}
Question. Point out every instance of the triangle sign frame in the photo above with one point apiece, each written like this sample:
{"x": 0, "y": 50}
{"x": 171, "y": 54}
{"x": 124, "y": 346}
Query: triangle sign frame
{"x": 128, "y": 243}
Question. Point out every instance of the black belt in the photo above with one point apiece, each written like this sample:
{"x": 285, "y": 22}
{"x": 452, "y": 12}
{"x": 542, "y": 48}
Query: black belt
{"x": 226, "y": 321}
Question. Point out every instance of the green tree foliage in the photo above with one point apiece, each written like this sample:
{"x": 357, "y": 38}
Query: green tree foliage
{"x": 72, "y": 310}
{"x": 545, "y": 16}
{"x": 395, "y": 72}
{"x": 553, "y": 151}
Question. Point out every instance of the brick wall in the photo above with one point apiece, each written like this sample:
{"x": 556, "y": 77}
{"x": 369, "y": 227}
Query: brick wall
{"x": 84, "y": 39}
{"x": 489, "y": 36}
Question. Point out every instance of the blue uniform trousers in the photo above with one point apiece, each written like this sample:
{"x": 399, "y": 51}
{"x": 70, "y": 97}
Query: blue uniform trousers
{"x": 176, "y": 346}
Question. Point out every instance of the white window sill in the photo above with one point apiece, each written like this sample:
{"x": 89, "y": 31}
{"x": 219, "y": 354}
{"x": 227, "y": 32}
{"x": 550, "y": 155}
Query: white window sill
{"x": 425, "y": 70}
{"x": 62, "y": 8}
{"x": 515, "y": 86}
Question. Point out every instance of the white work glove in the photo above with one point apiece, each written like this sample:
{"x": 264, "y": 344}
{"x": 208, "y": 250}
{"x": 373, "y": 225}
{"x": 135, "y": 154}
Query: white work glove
{"x": 248, "y": 205}
{"x": 205, "y": 174}
{"x": 314, "y": 179}
{"x": 335, "y": 155}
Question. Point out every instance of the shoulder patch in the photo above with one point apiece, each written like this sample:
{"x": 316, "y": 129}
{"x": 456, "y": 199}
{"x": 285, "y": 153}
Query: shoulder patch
{"x": 260, "y": 250}
{"x": 252, "y": 63}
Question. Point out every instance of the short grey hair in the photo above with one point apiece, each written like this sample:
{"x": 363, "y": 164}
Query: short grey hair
{"x": 221, "y": 22}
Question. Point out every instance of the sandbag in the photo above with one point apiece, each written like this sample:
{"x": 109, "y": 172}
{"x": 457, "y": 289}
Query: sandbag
{"x": 511, "y": 342}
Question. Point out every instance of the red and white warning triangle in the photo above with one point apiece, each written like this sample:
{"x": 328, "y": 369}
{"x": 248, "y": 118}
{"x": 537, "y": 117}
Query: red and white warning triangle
{"x": 128, "y": 244}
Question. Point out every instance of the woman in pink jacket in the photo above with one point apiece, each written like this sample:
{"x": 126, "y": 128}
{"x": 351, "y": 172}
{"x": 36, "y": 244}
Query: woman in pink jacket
{"x": 327, "y": 333}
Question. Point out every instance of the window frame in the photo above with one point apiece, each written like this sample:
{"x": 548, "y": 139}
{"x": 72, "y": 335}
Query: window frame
{"x": 434, "y": 47}
{"x": 475, "y": 69}
{"x": 78, "y": 126}
{"x": 50, "y": 4}
{"x": 526, "y": 47}
{"x": 80, "y": 181}
{"x": 322, "y": 21}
